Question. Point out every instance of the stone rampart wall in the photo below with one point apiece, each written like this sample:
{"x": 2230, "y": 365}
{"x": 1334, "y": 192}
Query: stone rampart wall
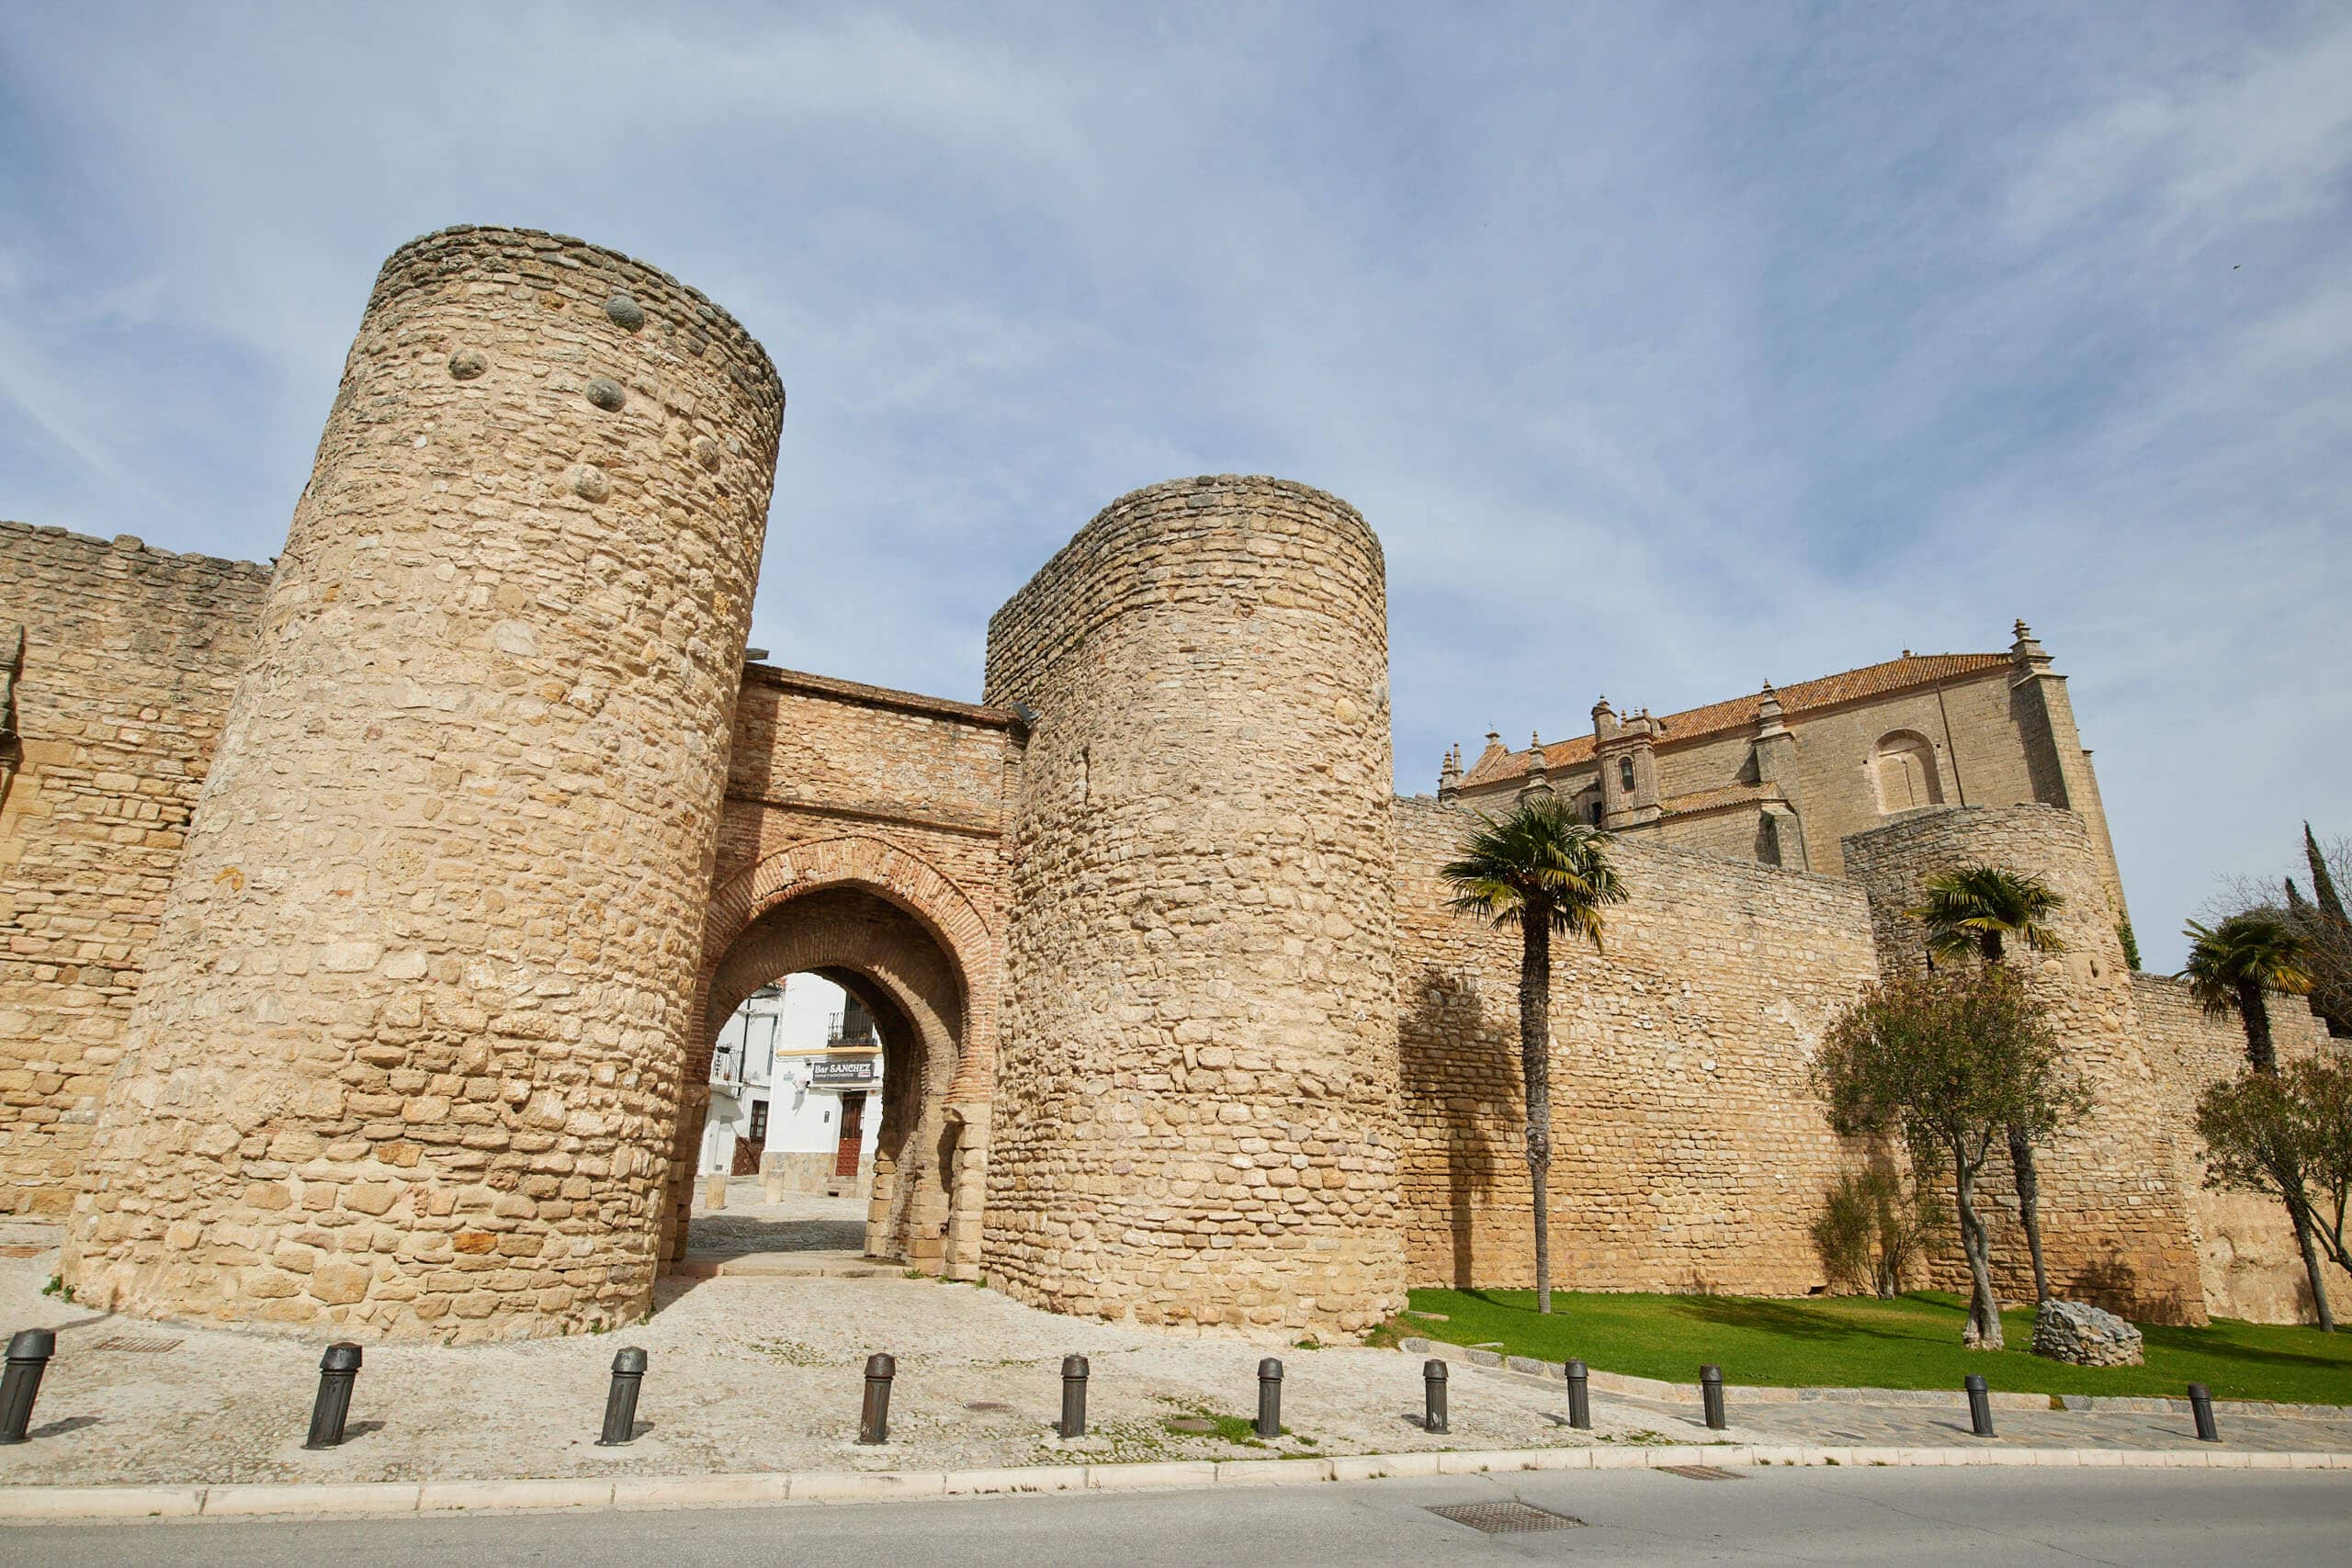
{"x": 1688, "y": 1153}
{"x": 130, "y": 655}
{"x": 2246, "y": 1246}
{"x": 407, "y": 1055}
{"x": 1196, "y": 1105}
{"x": 835, "y": 786}
{"x": 2115, "y": 1217}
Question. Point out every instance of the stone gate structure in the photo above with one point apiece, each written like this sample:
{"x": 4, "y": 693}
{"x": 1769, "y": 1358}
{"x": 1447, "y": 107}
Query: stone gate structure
{"x": 366, "y": 922}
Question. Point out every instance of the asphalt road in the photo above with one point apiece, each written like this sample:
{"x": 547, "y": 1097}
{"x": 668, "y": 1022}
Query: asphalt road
{"x": 1950, "y": 1517}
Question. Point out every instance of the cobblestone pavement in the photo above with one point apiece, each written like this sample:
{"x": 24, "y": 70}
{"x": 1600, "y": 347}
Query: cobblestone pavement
{"x": 752, "y": 1374}
{"x": 798, "y": 1222}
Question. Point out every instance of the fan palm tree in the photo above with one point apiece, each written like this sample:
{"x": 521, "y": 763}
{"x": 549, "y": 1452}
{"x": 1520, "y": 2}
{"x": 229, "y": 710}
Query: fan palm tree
{"x": 2233, "y": 967}
{"x": 2234, "y": 964}
{"x": 1540, "y": 869}
{"x": 1979, "y": 908}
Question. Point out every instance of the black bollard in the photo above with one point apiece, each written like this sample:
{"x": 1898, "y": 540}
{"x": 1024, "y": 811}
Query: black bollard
{"x": 1073, "y": 1396}
{"x": 1980, "y": 1405}
{"x": 2201, "y": 1406}
{"x": 873, "y": 1420}
{"x": 1711, "y": 1395}
{"x": 28, "y": 1353}
{"x": 1433, "y": 1395}
{"x": 620, "y": 1402}
{"x": 338, "y": 1370}
{"x": 1269, "y": 1398}
{"x": 1579, "y": 1398}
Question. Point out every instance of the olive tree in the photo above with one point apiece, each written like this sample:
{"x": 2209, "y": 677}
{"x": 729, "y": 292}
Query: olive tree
{"x": 1979, "y": 908}
{"x": 1949, "y": 1062}
{"x": 2288, "y": 1132}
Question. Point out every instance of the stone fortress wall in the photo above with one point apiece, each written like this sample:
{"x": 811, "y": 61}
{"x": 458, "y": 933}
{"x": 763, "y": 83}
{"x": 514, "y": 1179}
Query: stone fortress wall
{"x": 863, "y": 838}
{"x": 1196, "y": 1112}
{"x": 2116, "y": 1228}
{"x": 498, "y": 827}
{"x": 129, "y": 659}
{"x": 1687, "y": 1152}
{"x": 406, "y": 1055}
{"x": 2246, "y": 1251}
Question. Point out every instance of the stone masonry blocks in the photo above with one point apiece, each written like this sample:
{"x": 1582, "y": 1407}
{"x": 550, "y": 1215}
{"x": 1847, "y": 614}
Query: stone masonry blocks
{"x": 1196, "y": 1112}
{"x": 2116, "y": 1224}
{"x": 130, "y": 655}
{"x": 406, "y": 1058}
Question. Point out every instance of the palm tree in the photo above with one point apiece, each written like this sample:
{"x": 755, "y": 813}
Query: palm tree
{"x": 1977, "y": 908}
{"x": 2234, "y": 964}
{"x": 1540, "y": 869}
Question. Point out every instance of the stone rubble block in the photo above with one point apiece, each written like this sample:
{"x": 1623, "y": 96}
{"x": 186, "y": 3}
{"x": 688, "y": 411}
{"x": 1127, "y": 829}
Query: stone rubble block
{"x": 2086, "y": 1335}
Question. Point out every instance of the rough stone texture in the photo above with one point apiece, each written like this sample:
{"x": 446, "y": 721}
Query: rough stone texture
{"x": 2081, "y": 1334}
{"x": 408, "y": 1052}
{"x": 2246, "y": 1252}
{"x": 1196, "y": 1115}
{"x": 2116, "y": 1225}
{"x": 836, "y": 788}
{"x": 130, "y": 656}
{"x": 1687, "y": 1150}
{"x": 1178, "y": 1028}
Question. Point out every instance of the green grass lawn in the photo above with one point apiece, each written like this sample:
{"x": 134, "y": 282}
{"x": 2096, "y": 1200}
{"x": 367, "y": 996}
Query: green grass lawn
{"x": 1861, "y": 1341}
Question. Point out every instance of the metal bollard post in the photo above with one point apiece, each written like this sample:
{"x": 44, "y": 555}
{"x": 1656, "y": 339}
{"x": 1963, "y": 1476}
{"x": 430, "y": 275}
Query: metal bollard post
{"x": 2201, "y": 1406}
{"x": 28, "y": 1353}
{"x": 620, "y": 1402}
{"x": 1073, "y": 1396}
{"x": 1433, "y": 1395}
{"x": 1579, "y": 1398}
{"x": 873, "y": 1420}
{"x": 338, "y": 1370}
{"x": 1711, "y": 1395}
{"x": 1269, "y": 1398}
{"x": 1980, "y": 1405}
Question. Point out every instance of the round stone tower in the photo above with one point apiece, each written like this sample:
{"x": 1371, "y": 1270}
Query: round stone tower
{"x": 2115, "y": 1217}
{"x": 406, "y": 1055}
{"x": 1197, "y": 1109}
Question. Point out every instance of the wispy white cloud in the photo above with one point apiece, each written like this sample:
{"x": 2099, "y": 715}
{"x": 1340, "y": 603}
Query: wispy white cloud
{"x": 1666, "y": 356}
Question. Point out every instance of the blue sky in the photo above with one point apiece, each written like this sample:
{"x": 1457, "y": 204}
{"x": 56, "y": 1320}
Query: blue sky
{"x": 1669, "y": 349}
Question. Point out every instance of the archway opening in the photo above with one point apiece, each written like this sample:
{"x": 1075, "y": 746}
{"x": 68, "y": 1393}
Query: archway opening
{"x": 850, "y": 1096}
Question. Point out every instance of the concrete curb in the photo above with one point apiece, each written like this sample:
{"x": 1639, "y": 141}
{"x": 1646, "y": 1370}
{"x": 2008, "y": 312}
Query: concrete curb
{"x": 36, "y": 1503}
{"x": 1922, "y": 1398}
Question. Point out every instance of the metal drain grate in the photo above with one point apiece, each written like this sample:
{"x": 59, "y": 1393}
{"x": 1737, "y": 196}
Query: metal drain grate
{"x": 147, "y": 1342}
{"x": 1701, "y": 1473}
{"x": 1506, "y": 1519}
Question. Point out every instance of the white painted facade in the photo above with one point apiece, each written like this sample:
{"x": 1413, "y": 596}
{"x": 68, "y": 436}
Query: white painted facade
{"x": 764, "y": 1075}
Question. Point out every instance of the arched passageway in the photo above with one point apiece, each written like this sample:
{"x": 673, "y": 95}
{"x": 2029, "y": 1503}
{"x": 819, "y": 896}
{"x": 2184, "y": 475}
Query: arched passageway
{"x": 900, "y": 970}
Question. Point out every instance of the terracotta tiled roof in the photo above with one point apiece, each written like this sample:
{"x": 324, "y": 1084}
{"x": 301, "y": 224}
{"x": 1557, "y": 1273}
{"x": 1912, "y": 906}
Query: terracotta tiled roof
{"x": 1712, "y": 799}
{"x": 1739, "y": 713}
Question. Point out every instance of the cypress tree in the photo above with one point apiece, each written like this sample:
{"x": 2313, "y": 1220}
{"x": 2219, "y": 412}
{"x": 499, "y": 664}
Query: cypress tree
{"x": 2323, "y": 884}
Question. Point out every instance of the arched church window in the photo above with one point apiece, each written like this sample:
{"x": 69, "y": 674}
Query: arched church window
{"x": 1625, "y": 774}
{"x": 1904, "y": 769}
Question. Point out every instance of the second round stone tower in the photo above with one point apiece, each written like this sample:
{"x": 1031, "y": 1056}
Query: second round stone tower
{"x": 1196, "y": 1106}
{"x": 407, "y": 1049}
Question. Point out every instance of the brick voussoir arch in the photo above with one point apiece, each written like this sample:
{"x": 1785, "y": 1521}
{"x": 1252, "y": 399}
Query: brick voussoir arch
{"x": 862, "y": 860}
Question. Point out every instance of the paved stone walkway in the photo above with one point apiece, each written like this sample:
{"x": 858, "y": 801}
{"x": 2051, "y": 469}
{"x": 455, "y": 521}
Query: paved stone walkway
{"x": 798, "y": 1222}
{"x": 762, "y": 1374}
